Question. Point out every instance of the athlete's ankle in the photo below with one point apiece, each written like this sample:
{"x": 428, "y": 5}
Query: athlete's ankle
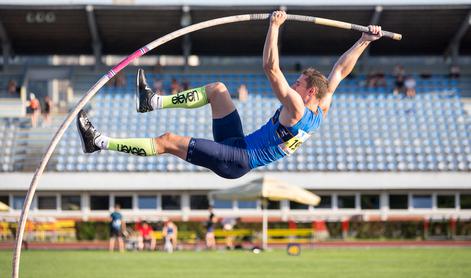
{"x": 102, "y": 142}
{"x": 156, "y": 102}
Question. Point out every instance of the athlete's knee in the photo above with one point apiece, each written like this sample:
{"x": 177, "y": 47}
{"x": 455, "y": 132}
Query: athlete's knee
{"x": 167, "y": 137}
{"x": 164, "y": 142}
{"x": 217, "y": 90}
{"x": 218, "y": 86}
{"x": 173, "y": 143}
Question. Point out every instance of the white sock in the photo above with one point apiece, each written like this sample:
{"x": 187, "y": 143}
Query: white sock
{"x": 156, "y": 102}
{"x": 102, "y": 142}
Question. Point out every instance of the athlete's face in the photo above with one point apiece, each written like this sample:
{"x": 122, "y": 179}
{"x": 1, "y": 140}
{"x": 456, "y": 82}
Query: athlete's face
{"x": 300, "y": 86}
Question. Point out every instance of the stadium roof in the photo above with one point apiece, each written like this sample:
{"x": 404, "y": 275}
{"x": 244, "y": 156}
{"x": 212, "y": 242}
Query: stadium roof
{"x": 121, "y": 29}
{"x": 234, "y": 2}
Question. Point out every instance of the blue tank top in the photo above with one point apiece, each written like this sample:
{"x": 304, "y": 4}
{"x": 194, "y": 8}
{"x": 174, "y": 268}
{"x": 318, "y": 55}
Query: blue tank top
{"x": 273, "y": 141}
{"x": 116, "y": 218}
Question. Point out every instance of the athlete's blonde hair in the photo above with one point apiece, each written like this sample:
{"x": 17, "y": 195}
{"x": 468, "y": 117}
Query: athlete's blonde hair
{"x": 315, "y": 78}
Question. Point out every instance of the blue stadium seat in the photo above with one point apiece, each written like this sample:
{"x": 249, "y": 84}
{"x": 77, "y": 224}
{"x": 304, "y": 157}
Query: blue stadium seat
{"x": 367, "y": 129}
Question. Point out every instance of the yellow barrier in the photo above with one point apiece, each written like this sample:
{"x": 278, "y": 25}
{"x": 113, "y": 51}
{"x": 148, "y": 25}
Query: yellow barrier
{"x": 235, "y": 233}
{"x": 61, "y": 224}
{"x": 285, "y": 236}
{"x": 182, "y": 235}
{"x": 5, "y": 232}
{"x": 59, "y": 230}
{"x": 290, "y": 232}
{"x": 275, "y": 236}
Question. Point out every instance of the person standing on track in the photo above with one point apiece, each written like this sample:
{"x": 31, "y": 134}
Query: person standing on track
{"x": 210, "y": 227}
{"x": 117, "y": 229}
{"x": 170, "y": 233}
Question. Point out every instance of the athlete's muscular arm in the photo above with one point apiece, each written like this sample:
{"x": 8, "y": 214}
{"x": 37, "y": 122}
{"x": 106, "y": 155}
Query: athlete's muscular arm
{"x": 346, "y": 62}
{"x": 271, "y": 64}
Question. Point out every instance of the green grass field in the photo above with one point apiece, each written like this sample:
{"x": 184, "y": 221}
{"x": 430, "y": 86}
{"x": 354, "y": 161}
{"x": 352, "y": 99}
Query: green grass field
{"x": 384, "y": 262}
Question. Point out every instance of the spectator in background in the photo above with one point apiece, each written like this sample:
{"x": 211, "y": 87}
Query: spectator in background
{"x": 146, "y": 236}
{"x": 159, "y": 86}
{"x": 375, "y": 79}
{"x": 242, "y": 93}
{"x": 185, "y": 85}
{"x": 380, "y": 79}
{"x": 399, "y": 78}
{"x": 228, "y": 225}
{"x": 117, "y": 228}
{"x": 12, "y": 88}
{"x": 455, "y": 72}
{"x": 410, "y": 84}
{"x": 170, "y": 233}
{"x": 120, "y": 80}
{"x": 34, "y": 108}
{"x": 399, "y": 85}
{"x": 399, "y": 71}
{"x": 174, "y": 87}
{"x": 371, "y": 79}
{"x": 210, "y": 225}
{"x": 46, "y": 110}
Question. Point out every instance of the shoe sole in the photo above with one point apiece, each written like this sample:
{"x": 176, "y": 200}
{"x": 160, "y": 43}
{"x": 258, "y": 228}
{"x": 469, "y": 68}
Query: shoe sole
{"x": 80, "y": 133}
{"x": 137, "y": 91}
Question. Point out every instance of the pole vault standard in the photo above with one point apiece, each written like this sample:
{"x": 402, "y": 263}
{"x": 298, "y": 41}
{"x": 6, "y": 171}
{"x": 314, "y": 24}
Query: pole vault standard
{"x": 105, "y": 78}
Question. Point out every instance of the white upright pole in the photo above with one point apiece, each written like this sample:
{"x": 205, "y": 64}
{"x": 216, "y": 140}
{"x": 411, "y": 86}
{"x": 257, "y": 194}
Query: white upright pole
{"x": 264, "y": 225}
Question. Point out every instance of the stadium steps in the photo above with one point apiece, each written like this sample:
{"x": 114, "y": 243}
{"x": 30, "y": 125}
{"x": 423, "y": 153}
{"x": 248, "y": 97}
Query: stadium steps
{"x": 9, "y": 129}
{"x": 12, "y": 107}
{"x": 31, "y": 145}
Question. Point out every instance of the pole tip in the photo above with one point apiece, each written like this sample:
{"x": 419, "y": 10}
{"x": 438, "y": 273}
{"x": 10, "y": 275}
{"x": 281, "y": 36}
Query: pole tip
{"x": 397, "y": 37}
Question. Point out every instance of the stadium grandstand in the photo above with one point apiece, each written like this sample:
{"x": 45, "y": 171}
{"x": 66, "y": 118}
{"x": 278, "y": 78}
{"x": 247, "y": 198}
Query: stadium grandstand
{"x": 378, "y": 157}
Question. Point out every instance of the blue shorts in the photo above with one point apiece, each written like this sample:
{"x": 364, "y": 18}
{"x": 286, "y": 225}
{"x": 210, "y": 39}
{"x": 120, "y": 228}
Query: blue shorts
{"x": 115, "y": 232}
{"x": 226, "y": 155}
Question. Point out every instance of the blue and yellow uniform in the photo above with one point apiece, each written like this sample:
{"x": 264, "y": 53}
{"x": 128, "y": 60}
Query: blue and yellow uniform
{"x": 273, "y": 140}
{"x": 232, "y": 155}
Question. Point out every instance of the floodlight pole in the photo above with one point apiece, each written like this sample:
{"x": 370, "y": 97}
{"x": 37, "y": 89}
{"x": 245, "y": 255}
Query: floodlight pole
{"x": 6, "y": 45}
